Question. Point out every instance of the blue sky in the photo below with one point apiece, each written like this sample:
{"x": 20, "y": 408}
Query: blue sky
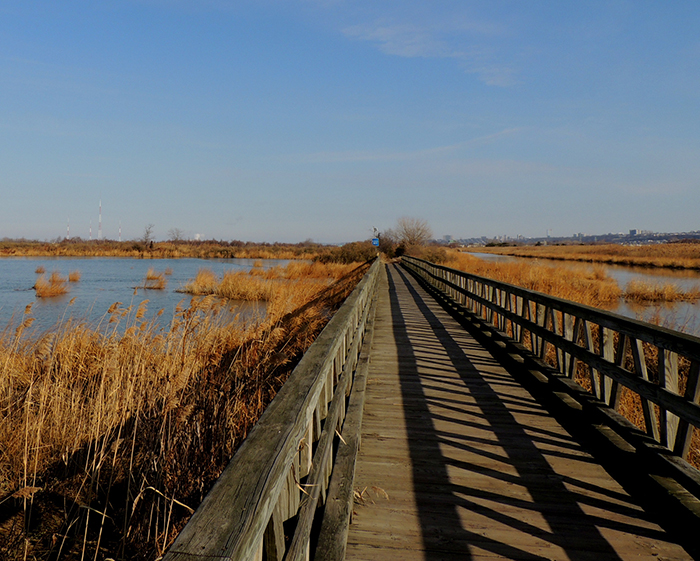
{"x": 284, "y": 120}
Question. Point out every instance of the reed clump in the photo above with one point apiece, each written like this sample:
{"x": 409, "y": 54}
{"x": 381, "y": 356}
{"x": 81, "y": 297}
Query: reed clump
{"x": 111, "y": 436}
{"x": 264, "y": 284}
{"x": 55, "y": 285}
{"x": 234, "y": 285}
{"x": 154, "y": 280}
{"x": 645, "y": 292}
{"x": 74, "y": 276}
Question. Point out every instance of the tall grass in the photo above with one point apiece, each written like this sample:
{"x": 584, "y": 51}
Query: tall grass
{"x": 586, "y": 285}
{"x": 640, "y": 291}
{"x": 55, "y": 285}
{"x": 236, "y": 285}
{"x": 154, "y": 280}
{"x": 110, "y": 437}
{"x": 260, "y": 283}
{"x": 668, "y": 255}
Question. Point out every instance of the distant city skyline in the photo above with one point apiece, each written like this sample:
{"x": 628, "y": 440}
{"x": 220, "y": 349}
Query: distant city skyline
{"x": 287, "y": 120}
{"x": 186, "y": 235}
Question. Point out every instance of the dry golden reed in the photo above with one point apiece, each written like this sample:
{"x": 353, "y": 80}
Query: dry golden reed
{"x": 263, "y": 284}
{"x": 154, "y": 280}
{"x": 236, "y": 285}
{"x": 668, "y": 255}
{"x": 159, "y": 250}
{"x": 110, "y": 437}
{"x": 640, "y": 291}
{"x": 55, "y": 285}
{"x": 586, "y": 285}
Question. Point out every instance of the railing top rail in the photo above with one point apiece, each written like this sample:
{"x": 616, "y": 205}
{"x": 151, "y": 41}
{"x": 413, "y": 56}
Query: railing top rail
{"x": 230, "y": 522}
{"x": 681, "y": 343}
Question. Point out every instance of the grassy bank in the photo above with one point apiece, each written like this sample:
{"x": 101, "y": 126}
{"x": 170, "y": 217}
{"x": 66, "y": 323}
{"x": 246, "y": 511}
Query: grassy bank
{"x": 355, "y": 252}
{"x": 668, "y": 255}
{"x": 110, "y": 437}
{"x": 159, "y": 250}
{"x": 585, "y": 284}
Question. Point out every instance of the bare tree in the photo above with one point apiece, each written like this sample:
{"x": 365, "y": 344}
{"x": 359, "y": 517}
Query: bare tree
{"x": 176, "y": 234}
{"x": 147, "y": 237}
{"x": 412, "y": 232}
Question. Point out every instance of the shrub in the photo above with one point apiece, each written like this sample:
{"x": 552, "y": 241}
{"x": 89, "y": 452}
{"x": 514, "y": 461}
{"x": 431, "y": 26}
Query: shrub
{"x": 355, "y": 252}
{"x": 434, "y": 254}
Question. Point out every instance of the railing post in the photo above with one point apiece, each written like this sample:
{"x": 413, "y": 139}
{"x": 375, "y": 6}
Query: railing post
{"x": 640, "y": 366}
{"x": 668, "y": 378}
{"x": 685, "y": 430}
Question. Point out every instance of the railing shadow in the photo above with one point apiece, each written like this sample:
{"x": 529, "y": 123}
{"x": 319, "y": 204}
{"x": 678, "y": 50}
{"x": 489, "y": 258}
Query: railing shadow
{"x": 464, "y": 449}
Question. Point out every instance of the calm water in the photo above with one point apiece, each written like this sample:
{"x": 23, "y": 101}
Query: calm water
{"x": 104, "y": 281}
{"x": 682, "y": 316}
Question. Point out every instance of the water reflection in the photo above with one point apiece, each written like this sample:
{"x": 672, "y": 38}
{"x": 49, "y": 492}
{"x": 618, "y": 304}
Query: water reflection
{"x": 681, "y": 316}
{"x": 104, "y": 281}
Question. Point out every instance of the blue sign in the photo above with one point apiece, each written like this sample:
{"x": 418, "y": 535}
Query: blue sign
{"x": 375, "y": 242}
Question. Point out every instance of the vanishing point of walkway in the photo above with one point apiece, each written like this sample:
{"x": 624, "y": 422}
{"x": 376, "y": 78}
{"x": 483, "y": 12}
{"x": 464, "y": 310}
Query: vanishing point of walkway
{"x": 458, "y": 461}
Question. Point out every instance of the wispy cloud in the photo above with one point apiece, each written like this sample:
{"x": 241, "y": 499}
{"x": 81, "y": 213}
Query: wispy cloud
{"x": 463, "y": 41}
{"x": 659, "y": 188}
{"x": 386, "y": 156}
{"x": 404, "y": 40}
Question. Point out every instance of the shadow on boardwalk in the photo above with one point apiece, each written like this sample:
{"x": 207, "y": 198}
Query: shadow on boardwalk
{"x": 473, "y": 466}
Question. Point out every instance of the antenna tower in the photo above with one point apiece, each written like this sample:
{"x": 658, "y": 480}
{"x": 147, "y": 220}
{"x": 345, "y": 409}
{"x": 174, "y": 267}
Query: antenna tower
{"x": 68, "y": 230}
{"x": 99, "y": 227}
{"x": 90, "y": 229}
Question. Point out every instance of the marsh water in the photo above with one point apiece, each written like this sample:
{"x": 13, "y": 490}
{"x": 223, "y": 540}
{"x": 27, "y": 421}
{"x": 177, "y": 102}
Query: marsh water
{"x": 680, "y": 316}
{"x": 104, "y": 281}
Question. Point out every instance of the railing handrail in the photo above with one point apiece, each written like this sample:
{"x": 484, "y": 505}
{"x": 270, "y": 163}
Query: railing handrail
{"x": 500, "y": 303}
{"x": 668, "y": 339}
{"x": 260, "y": 487}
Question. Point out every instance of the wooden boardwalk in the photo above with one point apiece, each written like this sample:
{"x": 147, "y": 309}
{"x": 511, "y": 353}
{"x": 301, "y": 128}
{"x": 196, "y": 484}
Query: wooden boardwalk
{"x": 458, "y": 461}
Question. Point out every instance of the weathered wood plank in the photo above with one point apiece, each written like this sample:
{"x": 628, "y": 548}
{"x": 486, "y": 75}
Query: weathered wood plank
{"x": 332, "y": 538}
{"x": 317, "y": 483}
{"x": 458, "y": 461}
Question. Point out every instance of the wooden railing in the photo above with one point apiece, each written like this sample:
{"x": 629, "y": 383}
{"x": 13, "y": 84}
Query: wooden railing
{"x": 285, "y": 468}
{"x": 609, "y": 355}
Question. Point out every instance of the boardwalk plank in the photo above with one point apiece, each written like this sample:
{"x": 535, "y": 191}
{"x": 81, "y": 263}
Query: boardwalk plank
{"x": 458, "y": 461}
